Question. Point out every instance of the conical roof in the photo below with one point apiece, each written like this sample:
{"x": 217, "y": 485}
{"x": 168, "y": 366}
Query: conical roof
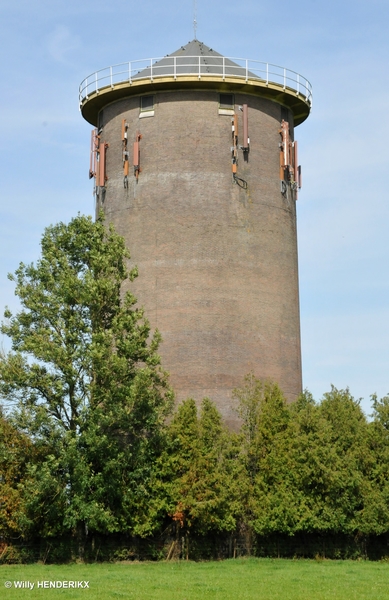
{"x": 195, "y": 58}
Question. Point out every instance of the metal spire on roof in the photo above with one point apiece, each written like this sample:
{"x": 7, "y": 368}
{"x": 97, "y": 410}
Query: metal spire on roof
{"x": 195, "y": 19}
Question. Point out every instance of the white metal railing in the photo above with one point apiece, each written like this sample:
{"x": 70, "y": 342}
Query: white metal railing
{"x": 200, "y": 66}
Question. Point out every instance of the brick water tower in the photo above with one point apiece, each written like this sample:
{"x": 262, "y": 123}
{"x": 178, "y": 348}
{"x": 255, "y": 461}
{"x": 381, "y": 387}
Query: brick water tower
{"x": 195, "y": 163}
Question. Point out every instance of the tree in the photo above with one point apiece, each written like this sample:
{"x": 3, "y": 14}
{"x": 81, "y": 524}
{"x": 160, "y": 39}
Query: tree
{"x": 16, "y": 453}
{"x": 198, "y": 471}
{"x": 347, "y": 492}
{"x": 85, "y": 379}
{"x": 265, "y": 420}
{"x": 376, "y": 512}
{"x": 262, "y": 408}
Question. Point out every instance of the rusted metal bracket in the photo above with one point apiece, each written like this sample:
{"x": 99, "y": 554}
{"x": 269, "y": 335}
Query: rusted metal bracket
{"x": 290, "y": 171}
{"x": 136, "y": 155}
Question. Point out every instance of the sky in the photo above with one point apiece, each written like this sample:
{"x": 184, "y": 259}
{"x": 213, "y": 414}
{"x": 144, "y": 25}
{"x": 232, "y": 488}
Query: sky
{"x": 342, "y": 48}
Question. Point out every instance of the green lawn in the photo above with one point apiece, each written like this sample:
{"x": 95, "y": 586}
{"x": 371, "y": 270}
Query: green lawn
{"x": 241, "y": 579}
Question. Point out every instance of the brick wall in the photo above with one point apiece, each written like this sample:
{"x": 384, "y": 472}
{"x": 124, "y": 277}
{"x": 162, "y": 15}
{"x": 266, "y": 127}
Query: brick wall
{"x": 217, "y": 263}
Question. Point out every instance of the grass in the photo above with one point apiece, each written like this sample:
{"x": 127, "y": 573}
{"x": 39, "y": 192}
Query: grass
{"x": 241, "y": 579}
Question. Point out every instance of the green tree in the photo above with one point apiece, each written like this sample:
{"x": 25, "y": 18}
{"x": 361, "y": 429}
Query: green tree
{"x": 85, "y": 379}
{"x": 321, "y": 464}
{"x": 325, "y": 465}
{"x": 267, "y": 500}
{"x": 17, "y": 452}
{"x": 199, "y": 466}
{"x": 376, "y": 514}
{"x": 310, "y": 466}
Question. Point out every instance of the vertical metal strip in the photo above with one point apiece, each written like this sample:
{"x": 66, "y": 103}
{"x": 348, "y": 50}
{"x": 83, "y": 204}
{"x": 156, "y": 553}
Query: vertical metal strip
{"x": 295, "y": 162}
{"x": 102, "y": 165}
{"x": 245, "y": 127}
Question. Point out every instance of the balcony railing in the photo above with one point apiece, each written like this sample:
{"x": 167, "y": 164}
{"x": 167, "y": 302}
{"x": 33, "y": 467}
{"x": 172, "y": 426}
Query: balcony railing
{"x": 150, "y": 69}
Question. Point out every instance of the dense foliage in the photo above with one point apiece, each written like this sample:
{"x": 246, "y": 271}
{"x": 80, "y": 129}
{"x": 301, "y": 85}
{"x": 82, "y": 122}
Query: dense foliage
{"x": 89, "y": 445}
{"x": 86, "y": 387}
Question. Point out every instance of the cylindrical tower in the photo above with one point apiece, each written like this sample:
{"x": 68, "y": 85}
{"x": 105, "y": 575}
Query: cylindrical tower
{"x": 195, "y": 164}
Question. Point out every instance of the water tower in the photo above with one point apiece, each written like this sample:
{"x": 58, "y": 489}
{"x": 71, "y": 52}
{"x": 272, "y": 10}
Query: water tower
{"x": 195, "y": 163}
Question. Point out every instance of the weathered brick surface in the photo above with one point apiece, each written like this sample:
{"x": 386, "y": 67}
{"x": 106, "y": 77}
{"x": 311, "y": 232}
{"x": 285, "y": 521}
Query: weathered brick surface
{"x": 217, "y": 264}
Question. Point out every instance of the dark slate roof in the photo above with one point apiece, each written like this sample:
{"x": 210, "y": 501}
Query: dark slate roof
{"x": 187, "y": 63}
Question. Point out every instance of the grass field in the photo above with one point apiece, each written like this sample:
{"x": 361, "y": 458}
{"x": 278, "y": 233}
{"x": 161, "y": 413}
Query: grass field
{"x": 242, "y": 579}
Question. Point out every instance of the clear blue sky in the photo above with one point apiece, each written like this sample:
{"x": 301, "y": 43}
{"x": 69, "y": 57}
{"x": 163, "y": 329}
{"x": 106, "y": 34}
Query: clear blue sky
{"x": 49, "y": 46}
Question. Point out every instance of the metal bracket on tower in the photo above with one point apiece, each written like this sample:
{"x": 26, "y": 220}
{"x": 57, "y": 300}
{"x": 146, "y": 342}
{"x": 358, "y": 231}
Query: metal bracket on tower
{"x": 290, "y": 171}
{"x": 234, "y": 147}
{"x": 102, "y": 170}
{"x": 93, "y": 153}
{"x": 246, "y": 139}
{"x": 97, "y": 166}
{"x": 234, "y": 152}
{"x": 136, "y": 156}
{"x": 125, "y": 152}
